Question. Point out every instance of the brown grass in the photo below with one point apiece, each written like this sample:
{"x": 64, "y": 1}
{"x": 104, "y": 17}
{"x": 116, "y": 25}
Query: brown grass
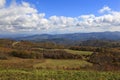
{"x": 16, "y": 63}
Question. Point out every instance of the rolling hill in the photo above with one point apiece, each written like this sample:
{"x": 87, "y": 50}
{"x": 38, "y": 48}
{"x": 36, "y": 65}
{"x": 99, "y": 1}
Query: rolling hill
{"x": 72, "y": 38}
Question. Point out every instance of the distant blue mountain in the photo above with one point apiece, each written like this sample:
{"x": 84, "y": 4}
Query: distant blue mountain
{"x": 66, "y": 38}
{"x": 73, "y": 37}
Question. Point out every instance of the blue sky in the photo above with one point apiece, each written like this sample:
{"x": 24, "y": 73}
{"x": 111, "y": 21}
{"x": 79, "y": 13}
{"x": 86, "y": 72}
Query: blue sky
{"x": 59, "y": 16}
{"x": 72, "y": 8}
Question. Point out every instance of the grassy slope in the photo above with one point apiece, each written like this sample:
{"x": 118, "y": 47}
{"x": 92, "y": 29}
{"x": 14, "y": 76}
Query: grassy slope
{"x": 17, "y": 63}
{"x": 24, "y": 63}
{"x": 49, "y": 70}
{"x": 57, "y": 75}
{"x": 63, "y": 64}
{"x": 78, "y": 52}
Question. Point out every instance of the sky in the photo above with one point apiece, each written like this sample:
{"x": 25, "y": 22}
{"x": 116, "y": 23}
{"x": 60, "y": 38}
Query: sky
{"x": 59, "y": 16}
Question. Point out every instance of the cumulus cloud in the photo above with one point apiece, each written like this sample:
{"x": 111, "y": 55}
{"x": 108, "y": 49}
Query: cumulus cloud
{"x": 2, "y": 3}
{"x": 19, "y": 18}
{"x": 105, "y": 9}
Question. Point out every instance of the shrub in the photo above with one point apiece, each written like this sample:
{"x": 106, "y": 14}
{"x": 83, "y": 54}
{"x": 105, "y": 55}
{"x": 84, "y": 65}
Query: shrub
{"x": 27, "y": 54}
{"x": 60, "y": 54}
{"x": 106, "y": 60}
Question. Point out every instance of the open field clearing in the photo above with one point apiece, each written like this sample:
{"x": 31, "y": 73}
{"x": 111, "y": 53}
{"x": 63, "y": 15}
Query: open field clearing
{"x": 78, "y": 52}
{"x": 45, "y": 64}
{"x": 63, "y": 64}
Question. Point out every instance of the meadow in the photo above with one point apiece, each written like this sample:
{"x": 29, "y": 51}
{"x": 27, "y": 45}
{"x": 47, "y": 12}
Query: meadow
{"x": 78, "y": 52}
{"x": 54, "y": 64}
{"x": 13, "y": 74}
{"x": 52, "y": 69}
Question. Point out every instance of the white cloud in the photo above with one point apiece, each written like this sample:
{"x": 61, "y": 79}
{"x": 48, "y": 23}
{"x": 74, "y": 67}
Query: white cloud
{"x": 105, "y": 9}
{"x": 19, "y": 18}
{"x": 22, "y": 17}
{"x": 2, "y": 3}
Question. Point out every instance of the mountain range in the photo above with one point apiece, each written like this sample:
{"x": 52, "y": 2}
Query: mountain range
{"x": 74, "y": 36}
{"x": 67, "y": 38}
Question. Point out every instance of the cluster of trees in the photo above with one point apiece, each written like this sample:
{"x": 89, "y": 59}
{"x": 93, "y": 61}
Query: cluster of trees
{"x": 4, "y": 53}
{"x": 100, "y": 43}
{"x": 60, "y": 54}
{"x": 95, "y": 49}
{"x": 83, "y": 48}
{"x": 27, "y": 45}
{"x": 25, "y": 49}
{"x": 103, "y": 58}
{"x": 106, "y": 59}
{"x": 50, "y": 45}
{"x": 53, "y": 54}
{"x": 26, "y": 54}
{"x": 6, "y": 43}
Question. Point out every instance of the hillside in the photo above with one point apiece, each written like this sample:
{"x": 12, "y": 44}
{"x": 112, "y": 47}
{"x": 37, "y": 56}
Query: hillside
{"x": 42, "y": 51}
{"x": 30, "y": 60}
{"x": 72, "y": 38}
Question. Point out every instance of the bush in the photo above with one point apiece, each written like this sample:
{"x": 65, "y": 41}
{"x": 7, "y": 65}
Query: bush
{"x": 59, "y": 54}
{"x": 53, "y": 54}
{"x": 106, "y": 60}
{"x": 27, "y": 54}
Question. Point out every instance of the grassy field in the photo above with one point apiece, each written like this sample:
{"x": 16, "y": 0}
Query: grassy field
{"x": 78, "y": 52}
{"x": 57, "y": 75}
{"x": 53, "y": 69}
{"x": 63, "y": 64}
{"x": 15, "y": 63}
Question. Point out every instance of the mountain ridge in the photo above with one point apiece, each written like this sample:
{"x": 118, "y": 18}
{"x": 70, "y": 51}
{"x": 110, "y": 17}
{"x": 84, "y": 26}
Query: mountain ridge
{"x": 70, "y": 38}
{"x": 74, "y": 36}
